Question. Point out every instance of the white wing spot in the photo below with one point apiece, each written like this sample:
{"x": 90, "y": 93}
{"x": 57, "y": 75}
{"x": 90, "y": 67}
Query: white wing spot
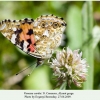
{"x": 13, "y": 39}
{"x": 25, "y": 46}
{"x": 37, "y": 37}
{"x": 14, "y": 28}
{"x": 5, "y": 34}
{"x": 35, "y": 24}
{"x": 2, "y": 26}
{"x": 46, "y": 33}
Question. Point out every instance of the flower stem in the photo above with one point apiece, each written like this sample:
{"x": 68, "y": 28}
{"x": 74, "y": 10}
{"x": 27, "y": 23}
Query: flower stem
{"x": 87, "y": 18}
{"x": 63, "y": 86}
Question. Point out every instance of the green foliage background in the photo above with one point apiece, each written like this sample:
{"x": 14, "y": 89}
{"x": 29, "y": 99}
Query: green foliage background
{"x": 12, "y": 60}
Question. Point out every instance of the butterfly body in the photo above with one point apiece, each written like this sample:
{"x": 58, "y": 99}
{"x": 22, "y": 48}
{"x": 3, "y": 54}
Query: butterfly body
{"x": 38, "y": 38}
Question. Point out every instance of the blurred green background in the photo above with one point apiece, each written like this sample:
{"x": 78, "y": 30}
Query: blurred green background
{"x": 81, "y": 17}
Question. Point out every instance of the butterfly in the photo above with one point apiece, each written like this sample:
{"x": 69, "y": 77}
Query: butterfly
{"x": 38, "y": 38}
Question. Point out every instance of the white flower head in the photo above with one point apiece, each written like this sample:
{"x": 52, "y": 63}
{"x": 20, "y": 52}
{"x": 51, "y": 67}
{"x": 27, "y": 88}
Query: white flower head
{"x": 69, "y": 66}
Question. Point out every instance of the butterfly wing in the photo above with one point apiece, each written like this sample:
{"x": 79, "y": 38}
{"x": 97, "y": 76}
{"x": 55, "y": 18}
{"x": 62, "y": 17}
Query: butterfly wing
{"x": 38, "y": 38}
{"x": 48, "y": 30}
{"x": 20, "y": 33}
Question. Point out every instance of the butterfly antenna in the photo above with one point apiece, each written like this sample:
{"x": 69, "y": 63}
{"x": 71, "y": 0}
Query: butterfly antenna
{"x": 31, "y": 72}
{"x": 39, "y": 63}
{"x": 26, "y": 68}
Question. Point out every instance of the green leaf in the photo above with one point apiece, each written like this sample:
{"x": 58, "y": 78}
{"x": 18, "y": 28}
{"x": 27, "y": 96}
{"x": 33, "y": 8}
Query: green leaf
{"x": 74, "y": 27}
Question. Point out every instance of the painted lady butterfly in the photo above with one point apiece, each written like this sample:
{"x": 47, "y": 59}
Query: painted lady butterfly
{"x": 38, "y": 37}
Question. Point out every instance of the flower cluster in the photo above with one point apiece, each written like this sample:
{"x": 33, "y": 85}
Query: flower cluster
{"x": 69, "y": 66}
